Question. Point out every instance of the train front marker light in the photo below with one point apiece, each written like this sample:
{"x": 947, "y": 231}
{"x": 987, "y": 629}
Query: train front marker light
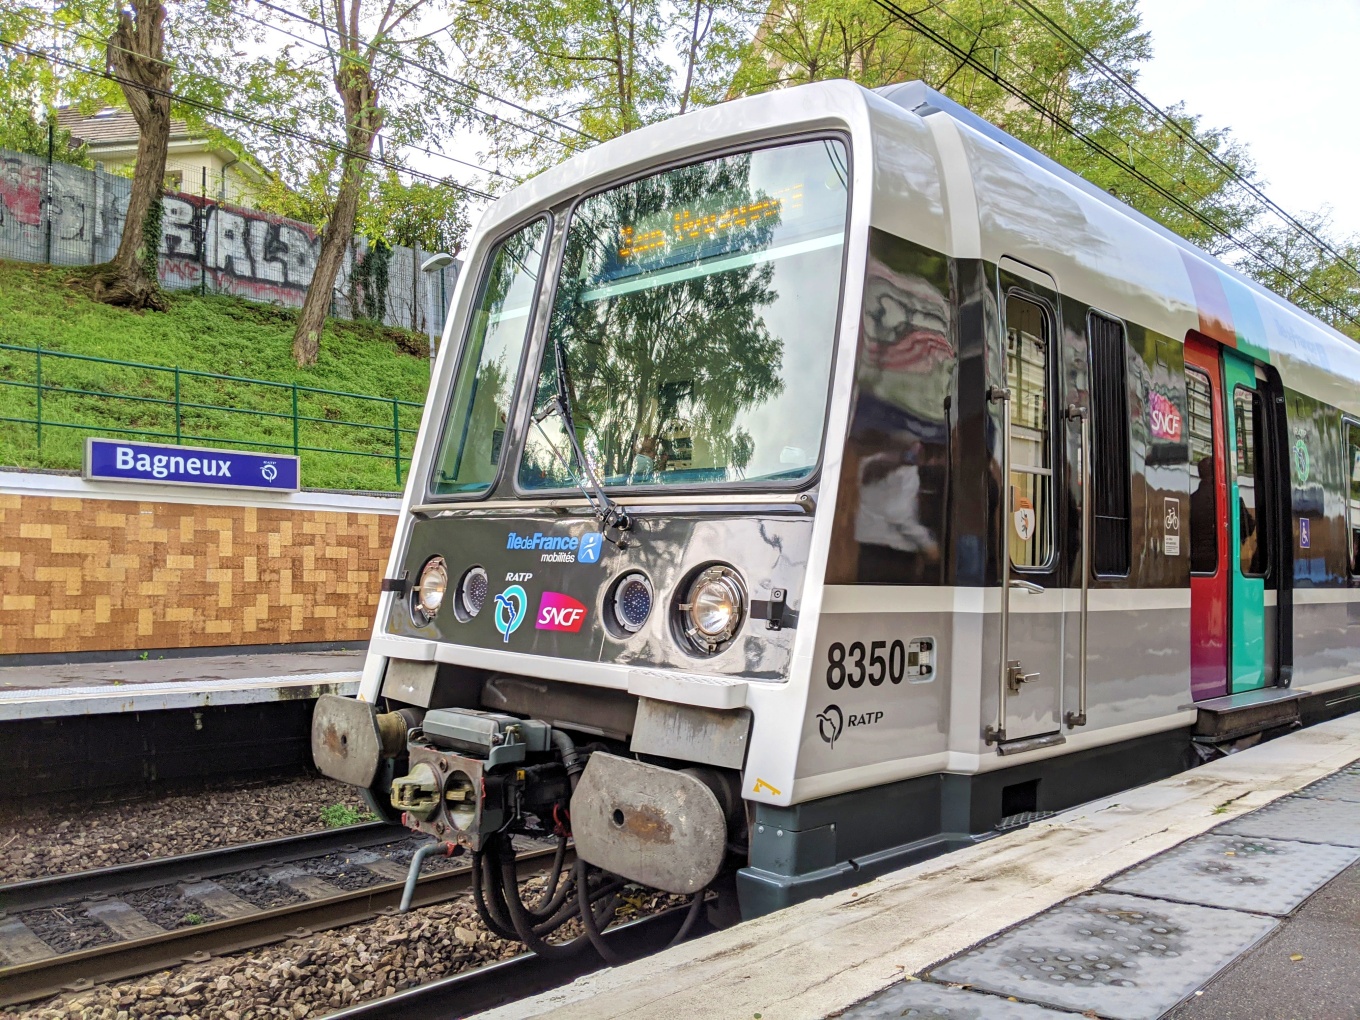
{"x": 431, "y": 586}
{"x": 472, "y": 589}
{"x": 632, "y": 601}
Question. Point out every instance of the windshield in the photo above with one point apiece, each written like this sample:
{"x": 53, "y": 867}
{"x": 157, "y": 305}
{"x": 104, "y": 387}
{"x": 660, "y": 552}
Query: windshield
{"x": 479, "y": 408}
{"x": 696, "y": 311}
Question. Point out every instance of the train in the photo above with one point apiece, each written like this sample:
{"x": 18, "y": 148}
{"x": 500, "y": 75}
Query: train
{"x": 825, "y": 480}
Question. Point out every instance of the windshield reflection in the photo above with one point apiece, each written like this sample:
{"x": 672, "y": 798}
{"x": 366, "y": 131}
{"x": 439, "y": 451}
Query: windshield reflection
{"x": 696, "y": 310}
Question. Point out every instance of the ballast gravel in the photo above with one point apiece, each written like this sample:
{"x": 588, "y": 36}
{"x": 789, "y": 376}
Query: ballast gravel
{"x": 307, "y": 977}
{"x": 55, "y": 840}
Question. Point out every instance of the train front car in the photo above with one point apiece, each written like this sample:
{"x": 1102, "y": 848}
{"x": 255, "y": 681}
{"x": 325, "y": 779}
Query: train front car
{"x": 600, "y": 608}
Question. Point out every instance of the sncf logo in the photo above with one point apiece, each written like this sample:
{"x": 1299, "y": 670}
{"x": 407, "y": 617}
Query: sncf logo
{"x": 560, "y": 612}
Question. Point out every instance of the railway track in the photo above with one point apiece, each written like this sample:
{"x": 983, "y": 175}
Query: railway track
{"x": 129, "y": 942}
{"x": 519, "y": 977}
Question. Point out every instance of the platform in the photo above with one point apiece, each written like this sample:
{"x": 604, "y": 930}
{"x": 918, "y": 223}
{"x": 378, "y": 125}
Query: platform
{"x": 156, "y": 724}
{"x": 134, "y": 685}
{"x": 1189, "y": 898}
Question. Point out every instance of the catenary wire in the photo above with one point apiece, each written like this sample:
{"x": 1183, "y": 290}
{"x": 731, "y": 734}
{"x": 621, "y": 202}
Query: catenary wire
{"x": 1061, "y": 122}
{"x": 244, "y": 118}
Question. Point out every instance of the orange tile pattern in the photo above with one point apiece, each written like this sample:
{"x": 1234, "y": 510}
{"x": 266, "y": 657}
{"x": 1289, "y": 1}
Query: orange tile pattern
{"x": 102, "y": 574}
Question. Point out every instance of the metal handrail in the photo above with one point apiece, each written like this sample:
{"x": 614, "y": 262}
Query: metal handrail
{"x": 1002, "y": 395}
{"x": 41, "y": 388}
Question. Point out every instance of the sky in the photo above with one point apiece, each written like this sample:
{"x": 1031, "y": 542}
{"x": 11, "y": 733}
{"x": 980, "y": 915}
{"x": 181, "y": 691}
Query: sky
{"x": 1283, "y": 76}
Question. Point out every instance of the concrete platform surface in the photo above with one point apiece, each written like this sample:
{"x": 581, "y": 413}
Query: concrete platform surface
{"x": 97, "y": 688}
{"x": 178, "y": 670}
{"x": 822, "y": 957}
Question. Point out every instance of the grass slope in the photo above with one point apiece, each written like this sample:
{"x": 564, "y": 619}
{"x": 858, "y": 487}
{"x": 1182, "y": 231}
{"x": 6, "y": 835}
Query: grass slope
{"x": 222, "y": 335}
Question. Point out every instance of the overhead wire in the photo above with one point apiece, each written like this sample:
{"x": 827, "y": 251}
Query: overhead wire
{"x": 207, "y": 107}
{"x": 294, "y": 15}
{"x": 1058, "y": 31}
{"x": 968, "y": 58}
{"x": 219, "y": 81}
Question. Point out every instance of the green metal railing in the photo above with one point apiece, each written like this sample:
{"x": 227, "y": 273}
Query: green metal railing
{"x": 279, "y": 405}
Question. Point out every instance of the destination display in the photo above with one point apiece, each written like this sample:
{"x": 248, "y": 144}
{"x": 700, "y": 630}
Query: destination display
{"x": 119, "y": 460}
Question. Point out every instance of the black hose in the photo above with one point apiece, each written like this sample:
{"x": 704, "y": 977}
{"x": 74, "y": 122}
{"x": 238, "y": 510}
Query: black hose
{"x": 487, "y": 897}
{"x": 690, "y": 918}
{"x": 571, "y": 757}
{"x": 587, "y": 911}
{"x": 523, "y": 923}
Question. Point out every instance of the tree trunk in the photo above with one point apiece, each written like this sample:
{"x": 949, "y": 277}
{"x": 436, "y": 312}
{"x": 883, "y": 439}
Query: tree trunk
{"x": 136, "y": 53}
{"x": 363, "y": 120}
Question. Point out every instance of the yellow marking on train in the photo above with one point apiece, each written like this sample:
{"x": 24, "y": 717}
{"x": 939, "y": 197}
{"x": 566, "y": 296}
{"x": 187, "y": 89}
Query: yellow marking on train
{"x": 762, "y": 785}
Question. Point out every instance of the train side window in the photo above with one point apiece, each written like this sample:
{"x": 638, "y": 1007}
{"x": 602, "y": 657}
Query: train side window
{"x": 1253, "y": 533}
{"x": 1110, "y": 473}
{"x": 1353, "y": 493}
{"x": 1029, "y": 515}
{"x": 1204, "y": 492}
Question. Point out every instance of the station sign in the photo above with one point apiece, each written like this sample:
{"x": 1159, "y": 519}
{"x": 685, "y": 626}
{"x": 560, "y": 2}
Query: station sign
{"x": 123, "y": 461}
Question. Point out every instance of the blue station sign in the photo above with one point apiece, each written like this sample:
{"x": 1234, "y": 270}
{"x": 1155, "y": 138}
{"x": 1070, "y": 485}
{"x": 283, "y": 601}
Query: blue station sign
{"x": 119, "y": 460}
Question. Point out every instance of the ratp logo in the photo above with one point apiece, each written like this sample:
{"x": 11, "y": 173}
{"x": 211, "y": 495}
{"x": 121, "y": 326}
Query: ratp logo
{"x": 830, "y": 722}
{"x": 269, "y": 470}
{"x": 589, "y": 549}
{"x": 511, "y": 605}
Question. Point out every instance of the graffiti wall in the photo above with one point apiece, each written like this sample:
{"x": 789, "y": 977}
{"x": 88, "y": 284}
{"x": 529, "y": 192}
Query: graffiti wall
{"x": 66, "y": 215}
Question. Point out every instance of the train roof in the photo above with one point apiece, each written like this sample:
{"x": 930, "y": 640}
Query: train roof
{"x": 1232, "y": 309}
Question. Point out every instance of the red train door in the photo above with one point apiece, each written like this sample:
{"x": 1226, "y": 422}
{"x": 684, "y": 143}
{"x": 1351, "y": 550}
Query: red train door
{"x": 1209, "y": 619}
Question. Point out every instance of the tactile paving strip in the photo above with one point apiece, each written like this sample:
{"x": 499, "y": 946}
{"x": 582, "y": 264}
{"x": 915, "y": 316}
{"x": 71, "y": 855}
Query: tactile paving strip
{"x": 922, "y": 999}
{"x": 1344, "y": 785}
{"x": 1268, "y": 876}
{"x": 1121, "y": 956}
{"x": 1302, "y": 818}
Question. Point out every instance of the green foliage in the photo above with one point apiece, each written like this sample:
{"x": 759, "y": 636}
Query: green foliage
{"x": 193, "y": 918}
{"x": 1311, "y": 278}
{"x": 209, "y": 334}
{"x": 336, "y": 816}
{"x": 813, "y": 40}
{"x": 371, "y": 274}
{"x": 149, "y": 252}
{"x": 610, "y": 66}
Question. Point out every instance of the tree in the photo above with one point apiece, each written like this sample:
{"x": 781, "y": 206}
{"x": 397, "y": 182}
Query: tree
{"x": 136, "y": 57}
{"x": 1297, "y": 268}
{"x": 29, "y": 92}
{"x": 609, "y": 66}
{"x": 158, "y": 63}
{"x": 383, "y": 79}
{"x": 811, "y": 40}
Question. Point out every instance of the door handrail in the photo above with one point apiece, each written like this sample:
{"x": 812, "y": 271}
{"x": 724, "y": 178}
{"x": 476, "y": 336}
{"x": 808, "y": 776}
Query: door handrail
{"x": 1083, "y": 416}
{"x": 996, "y": 734}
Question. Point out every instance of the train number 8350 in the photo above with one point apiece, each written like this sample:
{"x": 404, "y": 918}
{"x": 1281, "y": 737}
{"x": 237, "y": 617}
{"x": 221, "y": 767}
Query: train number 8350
{"x": 865, "y": 664}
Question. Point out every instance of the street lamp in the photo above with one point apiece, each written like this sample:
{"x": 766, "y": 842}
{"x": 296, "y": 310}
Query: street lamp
{"x": 436, "y": 263}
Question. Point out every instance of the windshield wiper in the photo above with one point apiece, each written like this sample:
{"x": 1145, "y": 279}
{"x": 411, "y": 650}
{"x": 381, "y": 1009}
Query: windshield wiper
{"x": 609, "y": 513}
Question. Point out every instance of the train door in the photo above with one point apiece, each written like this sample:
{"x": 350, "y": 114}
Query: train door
{"x": 1208, "y": 529}
{"x": 1252, "y": 517}
{"x": 1233, "y": 514}
{"x": 1032, "y": 617}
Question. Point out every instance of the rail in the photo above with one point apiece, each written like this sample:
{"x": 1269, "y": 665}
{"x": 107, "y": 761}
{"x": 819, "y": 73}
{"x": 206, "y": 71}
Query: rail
{"x": 323, "y": 907}
{"x": 285, "y": 416}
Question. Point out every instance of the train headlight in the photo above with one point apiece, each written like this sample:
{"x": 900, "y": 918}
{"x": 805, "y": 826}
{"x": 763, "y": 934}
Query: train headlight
{"x": 713, "y": 608}
{"x": 632, "y": 601}
{"x": 472, "y": 591}
{"x": 430, "y": 587}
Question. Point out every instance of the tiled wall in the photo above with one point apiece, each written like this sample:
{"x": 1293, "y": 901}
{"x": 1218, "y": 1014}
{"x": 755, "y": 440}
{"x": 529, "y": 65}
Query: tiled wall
{"x": 81, "y": 574}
